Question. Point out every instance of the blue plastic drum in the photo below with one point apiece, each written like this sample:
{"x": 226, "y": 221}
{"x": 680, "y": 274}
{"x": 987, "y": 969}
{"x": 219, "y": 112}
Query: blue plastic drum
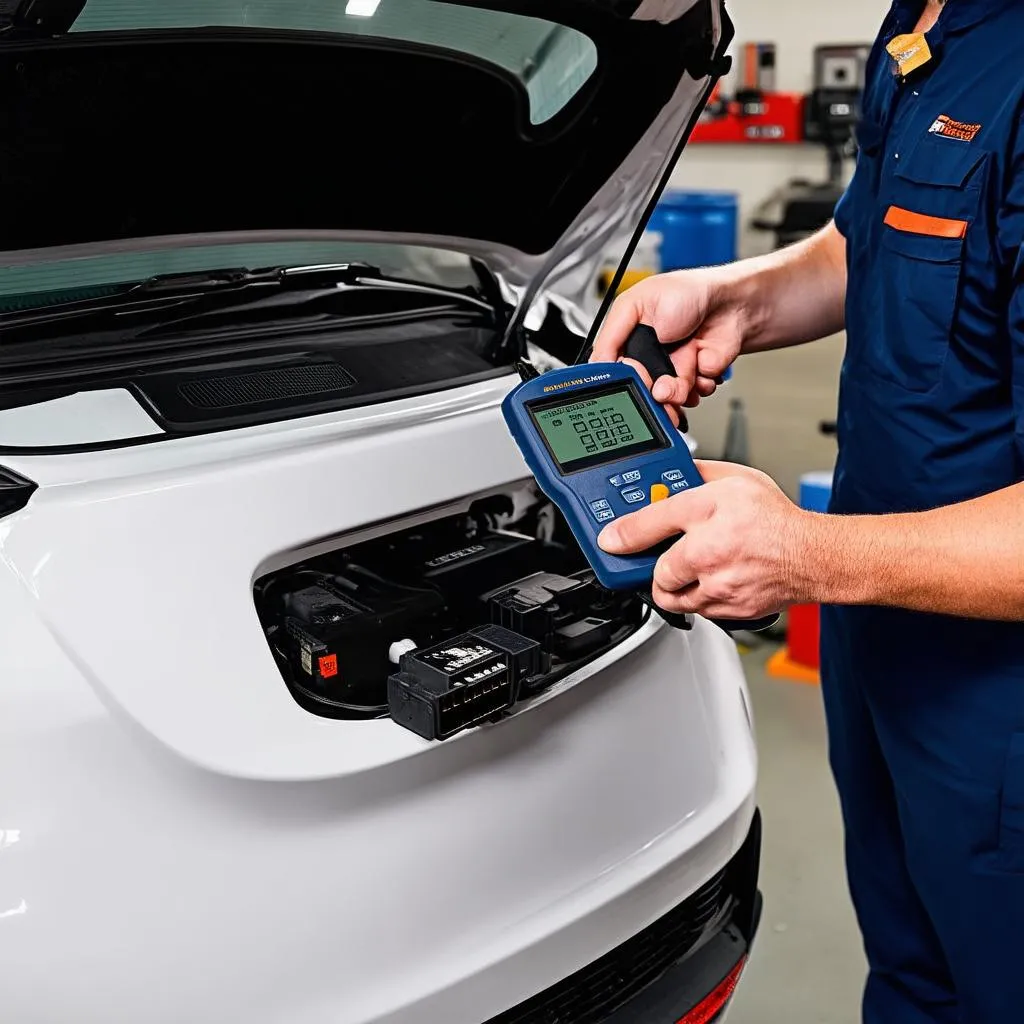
{"x": 698, "y": 229}
{"x": 816, "y": 490}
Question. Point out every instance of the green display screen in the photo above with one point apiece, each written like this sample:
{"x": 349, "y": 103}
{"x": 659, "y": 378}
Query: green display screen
{"x": 594, "y": 430}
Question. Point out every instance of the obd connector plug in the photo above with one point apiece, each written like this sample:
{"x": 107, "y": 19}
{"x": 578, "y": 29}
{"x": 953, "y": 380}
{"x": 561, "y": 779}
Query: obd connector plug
{"x": 461, "y": 682}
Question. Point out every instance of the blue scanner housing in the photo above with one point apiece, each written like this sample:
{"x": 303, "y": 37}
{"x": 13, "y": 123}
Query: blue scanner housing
{"x": 600, "y": 447}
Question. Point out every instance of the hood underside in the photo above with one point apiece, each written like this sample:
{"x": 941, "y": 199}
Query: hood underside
{"x": 110, "y": 140}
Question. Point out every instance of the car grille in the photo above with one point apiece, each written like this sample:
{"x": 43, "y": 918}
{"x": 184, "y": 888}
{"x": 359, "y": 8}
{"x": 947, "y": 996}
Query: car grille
{"x": 595, "y": 992}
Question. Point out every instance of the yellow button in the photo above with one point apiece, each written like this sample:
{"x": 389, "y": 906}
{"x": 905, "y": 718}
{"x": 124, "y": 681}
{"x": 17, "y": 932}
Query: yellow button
{"x": 658, "y": 492}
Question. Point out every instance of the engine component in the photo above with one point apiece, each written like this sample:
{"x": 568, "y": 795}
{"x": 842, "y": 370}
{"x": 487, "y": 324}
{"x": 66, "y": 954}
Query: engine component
{"x": 338, "y": 632}
{"x": 459, "y": 557}
{"x": 549, "y": 608}
{"x": 370, "y": 629}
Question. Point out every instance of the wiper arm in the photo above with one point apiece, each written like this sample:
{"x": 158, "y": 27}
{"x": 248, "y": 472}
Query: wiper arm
{"x": 154, "y": 293}
{"x": 203, "y": 282}
{"x": 173, "y": 299}
{"x": 299, "y": 288}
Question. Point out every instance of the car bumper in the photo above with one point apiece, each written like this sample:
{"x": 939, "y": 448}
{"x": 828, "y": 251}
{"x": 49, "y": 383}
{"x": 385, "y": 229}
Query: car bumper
{"x": 683, "y": 967}
{"x": 445, "y": 886}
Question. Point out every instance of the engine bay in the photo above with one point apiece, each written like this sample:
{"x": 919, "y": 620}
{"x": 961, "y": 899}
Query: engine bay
{"x": 443, "y": 625}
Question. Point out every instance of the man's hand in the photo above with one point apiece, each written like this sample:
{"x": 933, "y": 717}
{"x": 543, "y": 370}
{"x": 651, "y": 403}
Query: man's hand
{"x": 747, "y": 551}
{"x": 689, "y": 305}
{"x": 743, "y": 553}
{"x": 783, "y": 298}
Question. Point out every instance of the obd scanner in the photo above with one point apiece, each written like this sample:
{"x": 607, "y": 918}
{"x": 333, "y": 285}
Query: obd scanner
{"x": 601, "y": 447}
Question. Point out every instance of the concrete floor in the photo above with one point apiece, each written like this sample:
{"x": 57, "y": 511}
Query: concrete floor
{"x": 808, "y": 966}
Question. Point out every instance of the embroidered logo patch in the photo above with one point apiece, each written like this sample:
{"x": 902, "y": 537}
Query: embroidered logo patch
{"x": 950, "y": 129}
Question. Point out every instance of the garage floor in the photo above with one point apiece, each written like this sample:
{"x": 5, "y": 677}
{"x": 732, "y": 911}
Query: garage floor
{"x": 808, "y": 967}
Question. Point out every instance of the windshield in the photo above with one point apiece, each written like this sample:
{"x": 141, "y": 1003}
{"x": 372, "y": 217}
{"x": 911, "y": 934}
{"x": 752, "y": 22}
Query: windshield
{"x": 23, "y": 286}
{"x": 552, "y": 62}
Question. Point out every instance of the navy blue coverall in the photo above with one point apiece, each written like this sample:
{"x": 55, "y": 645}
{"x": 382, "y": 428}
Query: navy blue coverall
{"x": 925, "y": 712}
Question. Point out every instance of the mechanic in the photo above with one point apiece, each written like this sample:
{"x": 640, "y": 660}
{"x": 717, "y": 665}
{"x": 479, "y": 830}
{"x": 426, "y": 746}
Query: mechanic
{"x": 920, "y": 563}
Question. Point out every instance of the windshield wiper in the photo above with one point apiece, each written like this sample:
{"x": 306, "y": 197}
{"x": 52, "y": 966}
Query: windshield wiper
{"x": 169, "y": 301}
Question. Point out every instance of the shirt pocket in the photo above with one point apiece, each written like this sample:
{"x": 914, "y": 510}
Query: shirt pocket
{"x": 920, "y": 282}
{"x": 928, "y": 209}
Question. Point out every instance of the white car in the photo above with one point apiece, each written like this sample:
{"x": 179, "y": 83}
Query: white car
{"x": 234, "y": 502}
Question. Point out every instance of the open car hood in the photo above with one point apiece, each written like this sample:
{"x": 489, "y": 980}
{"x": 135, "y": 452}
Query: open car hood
{"x": 172, "y": 132}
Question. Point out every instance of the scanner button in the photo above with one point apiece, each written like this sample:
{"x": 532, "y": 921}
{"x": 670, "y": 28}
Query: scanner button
{"x": 659, "y": 492}
{"x": 633, "y": 495}
{"x": 621, "y": 479}
{"x": 604, "y": 515}
{"x": 599, "y": 506}
{"x": 672, "y": 476}
{"x": 680, "y": 485}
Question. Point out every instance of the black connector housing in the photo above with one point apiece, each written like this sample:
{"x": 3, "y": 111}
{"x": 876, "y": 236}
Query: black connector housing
{"x": 316, "y": 661}
{"x": 337, "y": 644}
{"x": 567, "y": 615}
{"x": 455, "y": 557}
{"x": 576, "y": 639}
{"x": 462, "y": 682}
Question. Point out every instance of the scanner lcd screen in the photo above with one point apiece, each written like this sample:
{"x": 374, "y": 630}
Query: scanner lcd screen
{"x": 596, "y": 427}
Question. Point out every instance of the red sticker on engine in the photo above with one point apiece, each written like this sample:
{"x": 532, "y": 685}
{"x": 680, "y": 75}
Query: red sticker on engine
{"x": 328, "y": 665}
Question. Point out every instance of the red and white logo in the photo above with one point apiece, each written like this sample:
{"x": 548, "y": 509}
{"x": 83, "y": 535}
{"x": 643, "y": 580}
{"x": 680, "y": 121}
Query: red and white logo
{"x": 961, "y": 131}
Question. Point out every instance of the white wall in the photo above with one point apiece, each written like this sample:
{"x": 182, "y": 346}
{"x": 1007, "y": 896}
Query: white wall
{"x": 796, "y": 27}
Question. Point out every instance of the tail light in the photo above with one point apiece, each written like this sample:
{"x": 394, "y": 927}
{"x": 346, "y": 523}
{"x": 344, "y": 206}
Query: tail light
{"x": 712, "y": 1006}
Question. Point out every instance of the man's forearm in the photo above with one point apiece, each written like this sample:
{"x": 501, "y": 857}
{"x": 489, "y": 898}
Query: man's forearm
{"x": 794, "y": 295}
{"x": 965, "y": 560}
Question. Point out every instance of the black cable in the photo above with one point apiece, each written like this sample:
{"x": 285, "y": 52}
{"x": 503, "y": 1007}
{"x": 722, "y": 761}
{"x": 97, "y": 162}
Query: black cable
{"x": 634, "y": 241}
{"x": 363, "y": 710}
